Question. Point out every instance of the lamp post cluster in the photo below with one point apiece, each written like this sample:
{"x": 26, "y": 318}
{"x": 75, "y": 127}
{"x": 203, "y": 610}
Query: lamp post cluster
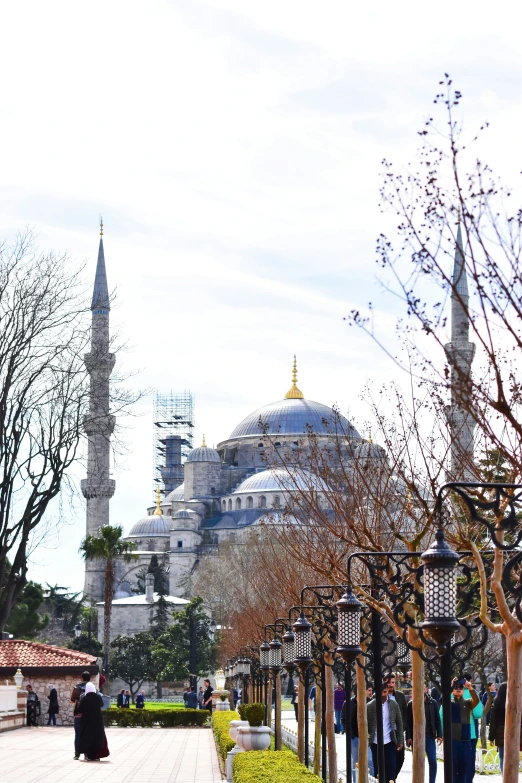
{"x": 430, "y": 592}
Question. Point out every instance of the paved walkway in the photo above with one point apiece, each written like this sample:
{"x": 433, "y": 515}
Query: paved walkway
{"x": 45, "y": 755}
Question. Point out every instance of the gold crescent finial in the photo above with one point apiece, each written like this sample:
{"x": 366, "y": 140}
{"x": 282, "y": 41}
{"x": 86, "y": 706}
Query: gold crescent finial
{"x": 101, "y": 227}
{"x": 158, "y": 512}
{"x": 370, "y": 435}
{"x": 203, "y": 443}
{"x": 294, "y": 393}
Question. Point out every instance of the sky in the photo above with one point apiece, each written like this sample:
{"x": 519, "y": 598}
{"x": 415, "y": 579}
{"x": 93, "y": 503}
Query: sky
{"x": 233, "y": 149}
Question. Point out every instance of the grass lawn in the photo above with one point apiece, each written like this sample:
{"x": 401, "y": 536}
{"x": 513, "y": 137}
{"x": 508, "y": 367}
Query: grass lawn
{"x": 164, "y": 705}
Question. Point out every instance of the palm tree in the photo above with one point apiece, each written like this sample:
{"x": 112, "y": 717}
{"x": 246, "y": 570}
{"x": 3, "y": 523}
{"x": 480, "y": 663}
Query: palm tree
{"x": 107, "y": 546}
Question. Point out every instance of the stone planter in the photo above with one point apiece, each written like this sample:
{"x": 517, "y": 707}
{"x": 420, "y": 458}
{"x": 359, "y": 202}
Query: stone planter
{"x": 234, "y": 725}
{"x": 253, "y": 737}
{"x": 222, "y": 706}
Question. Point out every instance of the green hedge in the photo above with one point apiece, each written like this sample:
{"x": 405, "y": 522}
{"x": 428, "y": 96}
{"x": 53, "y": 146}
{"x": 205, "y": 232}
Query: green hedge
{"x": 267, "y": 766}
{"x": 148, "y": 718}
{"x": 221, "y": 725}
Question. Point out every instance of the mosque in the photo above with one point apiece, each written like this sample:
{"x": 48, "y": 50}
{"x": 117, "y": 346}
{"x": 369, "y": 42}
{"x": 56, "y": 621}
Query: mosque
{"x": 233, "y": 487}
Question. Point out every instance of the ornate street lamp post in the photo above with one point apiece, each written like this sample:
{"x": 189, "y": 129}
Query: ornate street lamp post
{"x": 303, "y": 660}
{"x": 275, "y": 669}
{"x": 264, "y": 665}
{"x": 349, "y": 611}
{"x": 440, "y": 624}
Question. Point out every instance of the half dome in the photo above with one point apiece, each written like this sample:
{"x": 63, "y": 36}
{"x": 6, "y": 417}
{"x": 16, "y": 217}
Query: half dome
{"x": 151, "y": 527}
{"x": 294, "y": 417}
{"x": 279, "y": 480}
{"x": 176, "y": 495}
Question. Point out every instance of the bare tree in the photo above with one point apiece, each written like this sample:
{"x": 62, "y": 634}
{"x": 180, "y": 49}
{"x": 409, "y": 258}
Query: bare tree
{"x": 44, "y": 333}
{"x": 448, "y": 198}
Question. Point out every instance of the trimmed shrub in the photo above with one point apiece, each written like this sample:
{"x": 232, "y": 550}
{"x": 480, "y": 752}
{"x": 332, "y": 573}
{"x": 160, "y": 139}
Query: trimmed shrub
{"x": 267, "y": 766}
{"x": 254, "y": 713}
{"x": 148, "y": 718}
{"x": 220, "y": 726}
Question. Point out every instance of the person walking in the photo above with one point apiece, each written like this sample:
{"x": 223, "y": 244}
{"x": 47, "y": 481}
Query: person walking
{"x": 77, "y": 694}
{"x": 140, "y": 701}
{"x": 400, "y": 698}
{"x": 200, "y": 698}
{"x": 339, "y": 699}
{"x": 119, "y": 698}
{"x": 191, "y": 702}
{"x": 433, "y": 733}
{"x": 127, "y": 700}
{"x": 478, "y": 711}
{"x": 207, "y": 695}
{"x": 461, "y": 719}
{"x": 492, "y": 689}
{"x": 92, "y": 742}
{"x": 54, "y": 708}
{"x": 393, "y": 734}
{"x": 295, "y": 701}
{"x": 496, "y": 724}
{"x": 33, "y": 707}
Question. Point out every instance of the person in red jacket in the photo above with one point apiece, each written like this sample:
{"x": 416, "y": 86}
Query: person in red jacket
{"x": 339, "y": 699}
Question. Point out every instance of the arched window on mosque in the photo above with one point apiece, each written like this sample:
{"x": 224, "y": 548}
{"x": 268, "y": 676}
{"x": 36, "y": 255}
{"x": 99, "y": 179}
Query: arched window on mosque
{"x": 260, "y": 445}
{"x": 224, "y": 505}
{"x": 277, "y": 443}
{"x": 250, "y": 502}
{"x": 262, "y": 502}
{"x": 238, "y": 504}
{"x": 230, "y": 505}
{"x": 277, "y": 501}
{"x": 150, "y": 545}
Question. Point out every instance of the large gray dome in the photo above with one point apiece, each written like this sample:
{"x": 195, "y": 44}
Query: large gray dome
{"x": 176, "y": 494}
{"x": 293, "y": 417}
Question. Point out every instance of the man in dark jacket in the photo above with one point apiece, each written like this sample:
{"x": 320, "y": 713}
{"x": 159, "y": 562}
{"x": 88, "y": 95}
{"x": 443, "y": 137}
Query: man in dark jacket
{"x": 191, "y": 702}
{"x": 433, "y": 730}
{"x": 400, "y": 698}
{"x": 392, "y": 733}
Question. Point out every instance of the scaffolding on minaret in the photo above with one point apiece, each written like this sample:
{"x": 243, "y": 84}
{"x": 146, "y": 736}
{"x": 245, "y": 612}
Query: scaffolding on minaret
{"x": 173, "y": 434}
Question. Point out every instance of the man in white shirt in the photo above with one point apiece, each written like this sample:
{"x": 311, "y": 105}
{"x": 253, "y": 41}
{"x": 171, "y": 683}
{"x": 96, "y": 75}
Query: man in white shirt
{"x": 392, "y": 733}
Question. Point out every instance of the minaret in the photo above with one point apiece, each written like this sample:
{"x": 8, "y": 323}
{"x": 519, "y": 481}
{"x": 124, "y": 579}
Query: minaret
{"x": 98, "y": 488}
{"x": 460, "y": 352}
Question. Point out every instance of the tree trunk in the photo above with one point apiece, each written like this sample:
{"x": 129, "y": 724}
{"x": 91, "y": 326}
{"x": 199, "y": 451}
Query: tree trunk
{"x": 362, "y": 725}
{"x": 107, "y": 615}
{"x": 317, "y": 728}
{"x": 513, "y": 706}
{"x": 419, "y": 718}
{"x": 330, "y": 722}
{"x": 300, "y": 721}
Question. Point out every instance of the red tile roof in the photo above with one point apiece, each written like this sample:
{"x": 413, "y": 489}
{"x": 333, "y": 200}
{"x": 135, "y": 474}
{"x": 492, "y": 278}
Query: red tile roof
{"x": 19, "y": 653}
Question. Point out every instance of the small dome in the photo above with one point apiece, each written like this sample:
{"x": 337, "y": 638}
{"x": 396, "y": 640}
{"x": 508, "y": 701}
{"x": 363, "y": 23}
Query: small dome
{"x": 203, "y": 454}
{"x": 182, "y": 514}
{"x": 151, "y": 527}
{"x": 279, "y": 480}
{"x": 369, "y": 450}
{"x": 176, "y": 494}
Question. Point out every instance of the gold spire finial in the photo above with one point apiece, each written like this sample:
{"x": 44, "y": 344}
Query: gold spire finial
{"x": 203, "y": 443}
{"x": 294, "y": 393}
{"x": 101, "y": 227}
{"x": 158, "y": 512}
{"x": 370, "y": 435}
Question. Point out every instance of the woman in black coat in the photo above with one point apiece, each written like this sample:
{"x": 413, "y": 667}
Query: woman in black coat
{"x": 53, "y": 708}
{"x": 93, "y": 742}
